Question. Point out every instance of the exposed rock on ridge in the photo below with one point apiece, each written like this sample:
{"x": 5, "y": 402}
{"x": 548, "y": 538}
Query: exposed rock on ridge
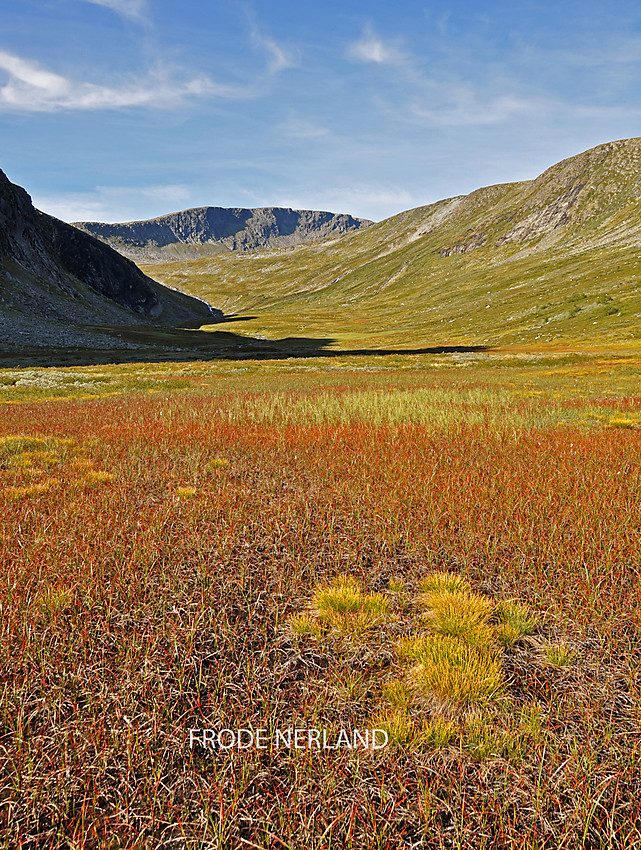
{"x": 584, "y": 201}
{"x": 207, "y": 230}
{"x": 53, "y": 277}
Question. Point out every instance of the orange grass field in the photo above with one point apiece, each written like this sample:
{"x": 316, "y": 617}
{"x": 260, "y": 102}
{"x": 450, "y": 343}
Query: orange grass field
{"x": 172, "y": 541}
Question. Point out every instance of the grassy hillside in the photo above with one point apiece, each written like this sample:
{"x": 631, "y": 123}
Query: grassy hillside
{"x": 553, "y": 259}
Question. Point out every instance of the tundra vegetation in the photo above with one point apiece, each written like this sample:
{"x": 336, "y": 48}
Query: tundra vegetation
{"x": 445, "y": 547}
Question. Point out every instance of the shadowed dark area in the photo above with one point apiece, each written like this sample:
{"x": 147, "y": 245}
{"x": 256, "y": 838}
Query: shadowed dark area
{"x": 156, "y": 345}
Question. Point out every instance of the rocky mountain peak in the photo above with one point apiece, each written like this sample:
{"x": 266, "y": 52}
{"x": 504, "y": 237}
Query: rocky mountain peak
{"x": 208, "y": 230}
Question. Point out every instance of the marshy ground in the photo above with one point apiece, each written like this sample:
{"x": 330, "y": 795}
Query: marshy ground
{"x": 262, "y": 544}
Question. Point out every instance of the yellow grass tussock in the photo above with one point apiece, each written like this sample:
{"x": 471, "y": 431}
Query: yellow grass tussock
{"x": 455, "y": 672}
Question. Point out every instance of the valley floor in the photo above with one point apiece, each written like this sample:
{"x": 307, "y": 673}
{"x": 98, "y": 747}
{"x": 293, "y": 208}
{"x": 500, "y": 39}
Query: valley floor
{"x": 166, "y": 530}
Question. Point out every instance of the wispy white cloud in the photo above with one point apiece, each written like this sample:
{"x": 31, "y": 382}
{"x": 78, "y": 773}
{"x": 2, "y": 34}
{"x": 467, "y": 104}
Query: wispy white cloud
{"x": 134, "y": 9}
{"x": 447, "y": 102}
{"x": 127, "y": 203}
{"x": 370, "y": 47}
{"x": 278, "y": 57}
{"x": 461, "y": 106}
{"x": 592, "y": 52}
{"x": 465, "y": 106}
{"x": 605, "y": 113}
{"x": 366, "y": 201}
{"x": 28, "y": 87}
{"x": 116, "y": 203}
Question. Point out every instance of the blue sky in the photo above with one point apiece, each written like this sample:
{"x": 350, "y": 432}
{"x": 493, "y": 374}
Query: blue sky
{"x": 120, "y": 109}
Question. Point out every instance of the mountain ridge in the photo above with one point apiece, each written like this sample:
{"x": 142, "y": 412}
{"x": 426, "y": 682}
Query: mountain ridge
{"x": 205, "y": 230}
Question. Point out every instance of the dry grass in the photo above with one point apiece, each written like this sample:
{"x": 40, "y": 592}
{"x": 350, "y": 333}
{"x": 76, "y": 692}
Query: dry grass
{"x": 444, "y": 582}
{"x": 396, "y": 693}
{"x": 463, "y": 615}
{"x": 400, "y": 730}
{"x": 559, "y": 654}
{"x": 130, "y": 615}
{"x": 513, "y": 621}
{"x": 342, "y": 608}
{"x": 436, "y": 734}
{"x": 99, "y": 477}
{"x": 454, "y": 671}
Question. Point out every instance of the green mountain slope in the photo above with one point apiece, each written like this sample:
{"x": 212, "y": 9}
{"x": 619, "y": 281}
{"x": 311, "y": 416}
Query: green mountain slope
{"x": 556, "y": 258}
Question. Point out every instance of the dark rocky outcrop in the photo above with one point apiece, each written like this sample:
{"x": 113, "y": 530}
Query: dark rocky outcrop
{"x": 205, "y": 230}
{"x": 54, "y": 277}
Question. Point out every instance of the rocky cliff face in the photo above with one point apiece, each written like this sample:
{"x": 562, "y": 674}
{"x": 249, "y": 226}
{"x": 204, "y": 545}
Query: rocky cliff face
{"x": 204, "y": 230}
{"x": 55, "y": 275}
